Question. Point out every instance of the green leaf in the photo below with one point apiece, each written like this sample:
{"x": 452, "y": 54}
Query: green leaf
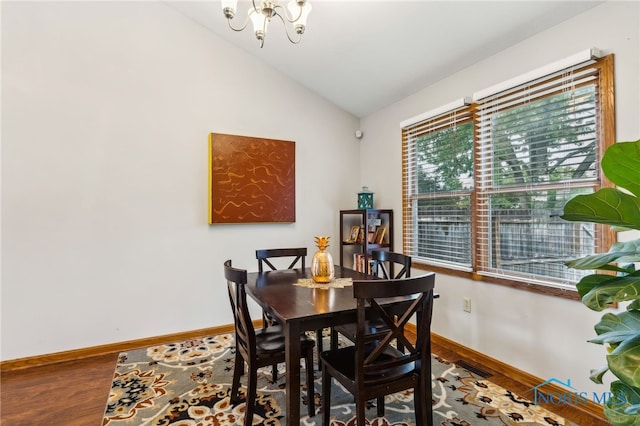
{"x": 615, "y": 289}
{"x": 628, "y": 269}
{"x": 627, "y": 252}
{"x": 614, "y": 329}
{"x": 626, "y": 247}
{"x": 596, "y": 375}
{"x": 621, "y": 164}
{"x": 632, "y": 410}
{"x": 599, "y": 261}
{"x": 623, "y": 397}
{"x": 613, "y": 337}
{"x": 608, "y": 206}
{"x": 627, "y": 321}
{"x": 588, "y": 283}
{"x": 624, "y": 361}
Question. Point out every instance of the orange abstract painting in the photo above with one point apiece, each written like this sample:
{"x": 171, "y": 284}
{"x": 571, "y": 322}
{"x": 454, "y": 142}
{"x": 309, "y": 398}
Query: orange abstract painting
{"x": 252, "y": 180}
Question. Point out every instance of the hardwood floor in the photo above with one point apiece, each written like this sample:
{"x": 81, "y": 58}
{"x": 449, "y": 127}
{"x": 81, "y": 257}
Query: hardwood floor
{"x": 71, "y": 393}
{"x": 519, "y": 384}
{"x": 74, "y": 393}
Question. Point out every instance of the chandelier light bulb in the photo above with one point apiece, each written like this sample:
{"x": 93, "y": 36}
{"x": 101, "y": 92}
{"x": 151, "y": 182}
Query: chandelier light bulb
{"x": 229, "y": 8}
{"x": 259, "y": 21}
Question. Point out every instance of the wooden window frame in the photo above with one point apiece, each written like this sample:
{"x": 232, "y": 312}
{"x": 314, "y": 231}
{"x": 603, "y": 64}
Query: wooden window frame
{"x": 606, "y": 137}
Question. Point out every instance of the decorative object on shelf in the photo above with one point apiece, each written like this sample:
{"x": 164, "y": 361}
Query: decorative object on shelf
{"x": 322, "y": 269}
{"x": 379, "y": 235}
{"x": 365, "y": 198}
{"x": 353, "y": 235}
{"x": 261, "y": 12}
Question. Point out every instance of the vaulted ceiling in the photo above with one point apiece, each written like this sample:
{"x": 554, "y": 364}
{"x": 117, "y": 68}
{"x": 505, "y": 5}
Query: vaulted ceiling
{"x": 364, "y": 55}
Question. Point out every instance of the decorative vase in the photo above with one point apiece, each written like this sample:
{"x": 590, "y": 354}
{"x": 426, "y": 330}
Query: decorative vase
{"x": 322, "y": 269}
{"x": 365, "y": 199}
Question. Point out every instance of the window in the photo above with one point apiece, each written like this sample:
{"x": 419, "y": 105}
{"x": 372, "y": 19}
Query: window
{"x": 484, "y": 183}
{"x": 439, "y": 179}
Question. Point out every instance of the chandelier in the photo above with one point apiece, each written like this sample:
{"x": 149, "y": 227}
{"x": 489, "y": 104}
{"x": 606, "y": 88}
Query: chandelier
{"x": 293, "y": 15}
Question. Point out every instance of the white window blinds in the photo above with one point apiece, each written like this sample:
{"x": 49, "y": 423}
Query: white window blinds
{"x": 438, "y": 182}
{"x": 483, "y": 184}
{"x": 537, "y": 147}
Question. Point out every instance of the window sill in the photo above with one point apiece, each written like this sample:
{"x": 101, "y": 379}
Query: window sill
{"x": 534, "y": 288}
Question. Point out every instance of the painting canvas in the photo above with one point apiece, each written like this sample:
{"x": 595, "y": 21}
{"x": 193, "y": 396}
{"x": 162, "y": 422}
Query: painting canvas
{"x": 252, "y": 180}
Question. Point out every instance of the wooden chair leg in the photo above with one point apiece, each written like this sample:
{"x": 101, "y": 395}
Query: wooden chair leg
{"x": 360, "y": 413}
{"x": 380, "y": 404}
{"x": 319, "y": 344}
{"x": 266, "y": 323}
{"x": 418, "y": 404}
{"x": 426, "y": 404}
{"x": 311, "y": 394}
{"x": 238, "y": 370}
{"x": 334, "y": 339}
{"x": 252, "y": 386}
{"x": 326, "y": 397}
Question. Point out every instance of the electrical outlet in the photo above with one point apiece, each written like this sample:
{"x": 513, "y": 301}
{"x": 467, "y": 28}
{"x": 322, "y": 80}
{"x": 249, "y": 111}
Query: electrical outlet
{"x": 467, "y": 304}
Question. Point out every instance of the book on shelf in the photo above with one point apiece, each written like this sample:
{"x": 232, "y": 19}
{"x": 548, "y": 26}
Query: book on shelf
{"x": 360, "y": 265}
{"x": 370, "y": 237}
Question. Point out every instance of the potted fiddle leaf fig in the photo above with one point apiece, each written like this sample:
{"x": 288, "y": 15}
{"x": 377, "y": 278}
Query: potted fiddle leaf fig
{"x": 620, "y": 282}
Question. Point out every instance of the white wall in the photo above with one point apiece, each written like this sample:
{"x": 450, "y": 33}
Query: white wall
{"x": 543, "y": 335}
{"x": 106, "y": 109}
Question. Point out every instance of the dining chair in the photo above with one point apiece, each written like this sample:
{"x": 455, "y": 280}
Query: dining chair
{"x": 265, "y": 258}
{"x": 260, "y": 348}
{"x": 372, "y": 367}
{"x": 384, "y": 264}
{"x": 385, "y": 261}
{"x": 263, "y": 255}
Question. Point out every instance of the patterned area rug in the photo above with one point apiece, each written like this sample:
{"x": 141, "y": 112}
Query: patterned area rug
{"x": 188, "y": 383}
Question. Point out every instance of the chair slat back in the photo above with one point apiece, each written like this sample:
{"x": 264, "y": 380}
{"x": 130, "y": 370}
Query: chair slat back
{"x": 373, "y": 355}
{"x": 383, "y": 261}
{"x": 245, "y": 333}
{"x": 298, "y": 254}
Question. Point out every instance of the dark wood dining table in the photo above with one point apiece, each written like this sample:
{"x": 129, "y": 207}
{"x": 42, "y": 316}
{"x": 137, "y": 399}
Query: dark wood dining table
{"x": 300, "y": 309}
